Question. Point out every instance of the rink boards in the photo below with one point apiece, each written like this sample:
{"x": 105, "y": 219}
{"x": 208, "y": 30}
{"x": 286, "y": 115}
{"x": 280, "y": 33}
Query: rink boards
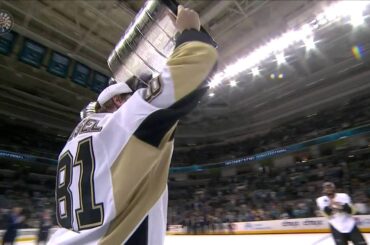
{"x": 289, "y": 226}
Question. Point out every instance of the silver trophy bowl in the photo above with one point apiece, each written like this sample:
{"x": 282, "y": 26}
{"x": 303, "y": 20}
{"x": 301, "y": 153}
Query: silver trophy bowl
{"x": 146, "y": 44}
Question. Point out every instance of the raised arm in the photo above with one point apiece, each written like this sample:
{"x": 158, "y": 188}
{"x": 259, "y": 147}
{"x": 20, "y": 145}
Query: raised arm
{"x": 188, "y": 67}
{"x": 183, "y": 81}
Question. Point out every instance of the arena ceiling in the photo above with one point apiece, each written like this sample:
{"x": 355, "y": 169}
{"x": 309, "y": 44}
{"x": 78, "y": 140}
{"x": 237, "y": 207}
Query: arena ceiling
{"x": 87, "y": 31}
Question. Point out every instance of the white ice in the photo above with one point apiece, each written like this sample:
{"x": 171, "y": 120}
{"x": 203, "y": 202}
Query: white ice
{"x": 283, "y": 239}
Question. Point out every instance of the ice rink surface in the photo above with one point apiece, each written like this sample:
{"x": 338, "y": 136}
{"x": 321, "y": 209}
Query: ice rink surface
{"x": 284, "y": 239}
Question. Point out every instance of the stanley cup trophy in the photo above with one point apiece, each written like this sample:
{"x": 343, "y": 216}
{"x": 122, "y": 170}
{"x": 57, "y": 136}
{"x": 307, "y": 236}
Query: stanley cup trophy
{"x": 143, "y": 50}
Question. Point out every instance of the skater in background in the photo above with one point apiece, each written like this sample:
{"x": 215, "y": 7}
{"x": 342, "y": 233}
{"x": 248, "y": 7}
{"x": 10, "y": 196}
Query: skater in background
{"x": 338, "y": 209}
{"x": 13, "y": 221}
{"x": 45, "y": 224}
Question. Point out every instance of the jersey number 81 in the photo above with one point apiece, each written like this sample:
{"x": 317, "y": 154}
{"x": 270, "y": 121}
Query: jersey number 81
{"x": 90, "y": 214}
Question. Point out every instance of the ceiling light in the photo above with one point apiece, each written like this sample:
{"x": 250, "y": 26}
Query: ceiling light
{"x": 234, "y": 69}
{"x": 315, "y": 25}
{"x": 322, "y": 20}
{"x": 331, "y": 14}
{"x": 335, "y": 12}
{"x": 213, "y": 84}
{"x": 216, "y": 80}
{"x": 309, "y": 43}
{"x": 211, "y": 94}
{"x": 255, "y": 71}
{"x": 357, "y": 19}
{"x": 305, "y": 31}
{"x": 233, "y": 83}
{"x": 257, "y": 56}
{"x": 353, "y": 9}
{"x": 280, "y": 58}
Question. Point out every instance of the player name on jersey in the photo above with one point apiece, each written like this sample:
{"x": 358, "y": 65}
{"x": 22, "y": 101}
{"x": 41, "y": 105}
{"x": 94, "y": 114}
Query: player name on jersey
{"x": 86, "y": 126}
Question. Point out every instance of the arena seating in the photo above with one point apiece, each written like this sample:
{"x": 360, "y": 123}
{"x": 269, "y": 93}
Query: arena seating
{"x": 271, "y": 193}
{"x": 351, "y": 114}
{"x": 205, "y": 202}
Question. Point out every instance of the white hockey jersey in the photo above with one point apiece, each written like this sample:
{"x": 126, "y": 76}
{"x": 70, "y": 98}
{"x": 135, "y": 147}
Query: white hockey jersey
{"x": 341, "y": 221}
{"x": 112, "y": 174}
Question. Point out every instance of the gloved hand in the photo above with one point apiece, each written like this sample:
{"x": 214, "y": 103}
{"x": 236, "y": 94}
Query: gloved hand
{"x": 187, "y": 19}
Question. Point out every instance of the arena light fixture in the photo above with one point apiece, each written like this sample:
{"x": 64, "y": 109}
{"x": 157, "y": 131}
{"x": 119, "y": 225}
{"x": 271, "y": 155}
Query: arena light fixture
{"x": 280, "y": 58}
{"x": 351, "y": 7}
{"x": 357, "y": 20}
{"x": 211, "y": 94}
{"x": 233, "y": 83}
{"x": 305, "y": 31}
{"x": 330, "y": 14}
{"x": 338, "y": 11}
{"x": 256, "y": 57}
{"x": 341, "y": 10}
{"x": 322, "y": 20}
{"x": 255, "y": 71}
{"x": 235, "y": 68}
{"x": 216, "y": 80}
{"x": 213, "y": 83}
{"x": 357, "y": 12}
{"x": 309, "y": 43}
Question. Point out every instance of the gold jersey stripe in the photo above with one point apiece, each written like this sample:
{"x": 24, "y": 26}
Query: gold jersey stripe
{"x": 139, "y": 177}
{"x": 189, "y": 65}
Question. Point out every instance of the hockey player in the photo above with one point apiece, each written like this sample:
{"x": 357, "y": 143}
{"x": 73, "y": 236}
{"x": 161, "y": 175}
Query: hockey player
{"x": 338, "y": 208}
{"x": 111, "y": 185}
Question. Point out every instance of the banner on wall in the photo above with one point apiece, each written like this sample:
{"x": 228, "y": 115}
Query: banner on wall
{"x": 32, "y": 53}
{"x": 81, "y": 74}
{"x": 58, "y": 64}
{"x": 7, "y": 42}
{"x": 99, "y": 82}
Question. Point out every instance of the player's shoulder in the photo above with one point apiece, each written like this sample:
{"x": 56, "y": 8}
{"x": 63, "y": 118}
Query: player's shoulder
{"x": 137, "y": 104}
{"x": 323, "y": 200}
{"x": 319, "y": 199}
{"x": 341, "y": 195}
